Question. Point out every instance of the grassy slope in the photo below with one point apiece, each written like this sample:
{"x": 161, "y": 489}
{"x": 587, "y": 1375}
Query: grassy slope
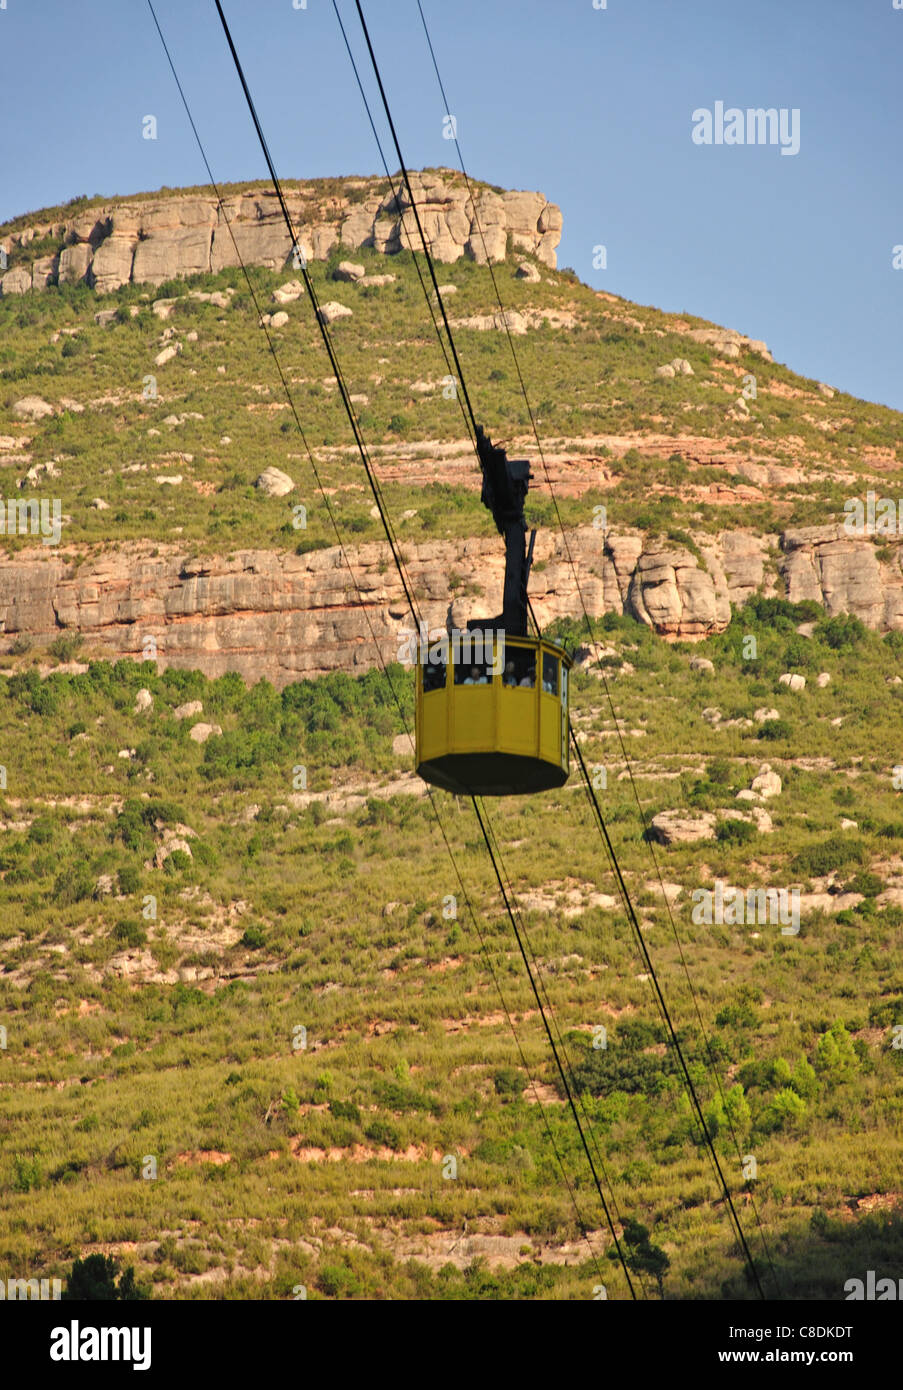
{"x": 103, "y": 1074}
{"x": 407, "y": 1049}
{"x": 593, "y": 379}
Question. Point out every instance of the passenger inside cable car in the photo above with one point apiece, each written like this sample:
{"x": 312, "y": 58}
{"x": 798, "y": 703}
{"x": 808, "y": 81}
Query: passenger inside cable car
{"x": 549, "y": 674}
{"x": 434, "y": 676}
{"x": 472, "y": 675}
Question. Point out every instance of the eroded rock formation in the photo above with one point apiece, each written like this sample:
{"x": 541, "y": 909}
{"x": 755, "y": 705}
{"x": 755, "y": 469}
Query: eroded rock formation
{"x": 285, "y": 616}
{"x": 152, "y": 240}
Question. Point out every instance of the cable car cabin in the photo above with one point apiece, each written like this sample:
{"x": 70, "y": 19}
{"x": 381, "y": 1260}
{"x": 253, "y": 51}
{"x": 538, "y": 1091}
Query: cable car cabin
{"x": 486, "y": 731}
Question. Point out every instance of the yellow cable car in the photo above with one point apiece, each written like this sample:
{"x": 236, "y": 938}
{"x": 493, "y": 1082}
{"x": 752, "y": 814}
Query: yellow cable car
{"x": 492, "y": 706}
{"x": 501, "y": 732}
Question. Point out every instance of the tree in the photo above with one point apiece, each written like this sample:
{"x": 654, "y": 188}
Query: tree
{"x": 642, "y": 1257}
{"x": 835, "y": 1055}
{"x": 95, "y": 1278}
{"x": 787, "y": 1109}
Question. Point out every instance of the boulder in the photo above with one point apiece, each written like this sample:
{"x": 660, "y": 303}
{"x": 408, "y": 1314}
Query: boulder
{"x": 100, "y": 505}
{"x": 289, "y": 292}
{"x": 665, "y": 370}
{"x": 279, "y": 319}
{"x": 332, "y": 311}
{"x": 274, "y": 482}
{"x": 528, "y": 272}
{"x": 682, "y": 827}
{"x": 761, "y": 715}
{"x": 377, "y": 280}
{"x": 728, "y": 342}
{"x": 767, "y": 783}
{"x": 701, "y": 663}
{"x": 188, "y": 709}
{"x": 167, "y": 354}
{"x": 143, "y": 700}
{"x": 199, "y": 733}
{"x": 16, "y": 281}
{"x": 792, "y": 680}
{"x": 32, "y": 408}
{"x": 348, "y": 270}
{"x": 822, "y": 679}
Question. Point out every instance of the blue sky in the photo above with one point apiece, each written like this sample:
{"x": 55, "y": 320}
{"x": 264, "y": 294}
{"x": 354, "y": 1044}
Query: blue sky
{"x": 591, "y": 106}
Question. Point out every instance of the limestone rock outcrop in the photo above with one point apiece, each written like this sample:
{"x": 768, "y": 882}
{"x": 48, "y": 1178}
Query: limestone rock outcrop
{"x": 836, "y": 569}
{"x": 284, "y": 616}
{"x": 154, "y": 239}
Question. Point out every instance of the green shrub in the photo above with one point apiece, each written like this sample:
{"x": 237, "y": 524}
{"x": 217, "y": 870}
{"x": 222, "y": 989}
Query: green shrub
{"x": 345, "y": 1110}
{"x": 95, "y": 1278}
{"x": 866, "y": 883}
{"x": 842, "y": 632}
{"x": 130, "y": 932}
{"x": 785, "y": 1111}
{"x": 337, "y": 1281}
{"x": 735, "y": 832}
{"x": 384, "y": 1134}
{"x": 508, "y": 1083}
{"x": 64, "y": 647}
{"x": 73, "y": 886}
{"x": 129, "y": 880}
{"x": 775, "y": 729}
{"x": 176, "y": 862}
{"x": 835, "y": 1055}
{"x": 823, "y": 859}
{"x": 28, "y": 1173}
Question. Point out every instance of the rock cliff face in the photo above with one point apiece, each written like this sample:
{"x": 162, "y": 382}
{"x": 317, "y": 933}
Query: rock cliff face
{"x": 156, "y": 239}
{"x": 284, "y": 616}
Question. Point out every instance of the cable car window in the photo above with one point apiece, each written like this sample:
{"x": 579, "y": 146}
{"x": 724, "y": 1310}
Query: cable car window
{"x": 550, "y": 674}
{"x": 520, "y": 668}
{"x": 473, "y": 673}
{"x": 433, "y": 676}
